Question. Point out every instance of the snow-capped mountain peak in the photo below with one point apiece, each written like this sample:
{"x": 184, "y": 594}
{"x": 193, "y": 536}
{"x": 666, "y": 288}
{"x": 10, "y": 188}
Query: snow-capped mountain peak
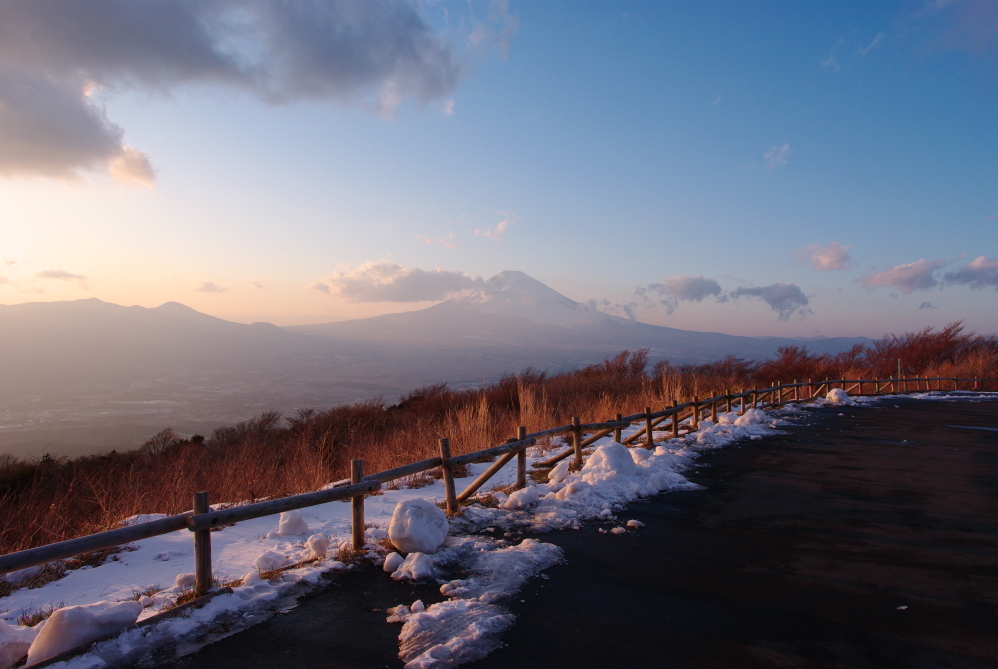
{"x": 514, "y": 293}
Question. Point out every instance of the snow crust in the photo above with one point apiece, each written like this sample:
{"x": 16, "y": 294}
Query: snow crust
{"x": 418, "y": 526}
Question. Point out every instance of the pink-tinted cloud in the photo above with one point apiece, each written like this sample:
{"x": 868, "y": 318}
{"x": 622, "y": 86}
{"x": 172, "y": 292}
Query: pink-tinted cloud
{"x": 831, "y": 256}
{"x": 978, "y": 273}
{"x": 919, "y": 275}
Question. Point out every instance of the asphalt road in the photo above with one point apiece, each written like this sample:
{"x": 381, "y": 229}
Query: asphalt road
{"x": 862, "y": 537}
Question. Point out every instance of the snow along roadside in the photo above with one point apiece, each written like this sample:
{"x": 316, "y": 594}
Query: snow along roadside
{"x": 445, "y": 634}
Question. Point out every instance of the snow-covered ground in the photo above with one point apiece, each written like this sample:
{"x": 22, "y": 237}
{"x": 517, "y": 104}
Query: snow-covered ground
{"x": 465, "y": 627}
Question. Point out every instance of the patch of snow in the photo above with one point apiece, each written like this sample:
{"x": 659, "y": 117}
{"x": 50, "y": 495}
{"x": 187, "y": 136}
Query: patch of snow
{"x": 270, "y": 561}
{"x": 392, "y": 562}
{"x": 186, "y": 580}
{"x": 635, "y": 524}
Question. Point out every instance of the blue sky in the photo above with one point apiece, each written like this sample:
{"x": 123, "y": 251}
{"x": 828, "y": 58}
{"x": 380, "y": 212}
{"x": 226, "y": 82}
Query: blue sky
{"x": 601, "y": 147}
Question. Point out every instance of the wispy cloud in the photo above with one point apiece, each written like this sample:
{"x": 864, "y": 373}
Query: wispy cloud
{"x": 979, "y": 273}
{"x": 833, "y": 256}
{"x": 258, "y": 284}
{"x": 919, "y": 275}
{"x": 777, "y": 156}
{"x": 509, "y": 219}
{"x": 447, "y": 241}
{"x": 62, "y": 275}
{"x": 927, "y": 305}
{"x": 877, "y": 41}
{"x": 210, "y": 287}
{"x": 386, "y": 281}
{"x": 787, "y": 299}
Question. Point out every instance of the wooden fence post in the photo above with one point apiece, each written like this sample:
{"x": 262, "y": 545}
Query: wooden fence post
{"x": 755, "y": 398}
{"x": 357, "y": 504}
{"x": 741, "y": 402}
{"x": 796, "y": 391}
{"x": 696, "y": 412}
{"x": 728, "y": 397}
{"x": 977, "y": 383}
{"x": 577, "y": 440}
{"x": 713, "y": 411}
{"x": 521, "y": 459}
{"x": 448, "y": 470}
{"x": 616, "y": 431}
{"x": 649, "y": 433}
{"x": 675, "y": 420}
{"x": 202, "y": 548}
{"x": 876, "y": 387}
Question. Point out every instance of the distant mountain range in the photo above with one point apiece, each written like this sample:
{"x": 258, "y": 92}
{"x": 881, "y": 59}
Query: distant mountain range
{"x": 91, "y": 365}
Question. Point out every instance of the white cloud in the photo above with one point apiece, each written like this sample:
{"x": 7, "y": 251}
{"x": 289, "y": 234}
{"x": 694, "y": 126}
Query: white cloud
{"x": 509, "y": 219}
{"x": 776, "y": 156}
{"x": 447, "y": 241}
{"x": 919, "y": 275}
{"x": 831, "y": 256}
{"x": 978, "y": 273}
{"x": 785, "y": 298}
{"x": 385, "y": 281}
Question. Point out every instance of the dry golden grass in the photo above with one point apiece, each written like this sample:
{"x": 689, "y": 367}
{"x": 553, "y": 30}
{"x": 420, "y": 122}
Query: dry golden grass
{"x": 50, "y": 500}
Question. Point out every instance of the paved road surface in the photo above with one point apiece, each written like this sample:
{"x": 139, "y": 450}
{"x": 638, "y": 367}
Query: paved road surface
{"x": 868, "y": 539}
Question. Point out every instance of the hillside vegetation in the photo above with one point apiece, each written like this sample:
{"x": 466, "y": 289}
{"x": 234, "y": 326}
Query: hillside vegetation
{"x": 47, "y": 499}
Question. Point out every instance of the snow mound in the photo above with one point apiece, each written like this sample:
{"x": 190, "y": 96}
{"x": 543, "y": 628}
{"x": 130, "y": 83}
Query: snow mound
{"x": 292, "y": 524}
{"x": 270, "y": 561}
{"x": 415, "y": 567}
{"x": 14, "y": 643}
{"x": 559, "y": 473}
{"x": 392, "y": 562}
{"x": 186, "y": 580}
{"x": 751, "y": 417}
{"x": 608, "y": 462}
{"x": 521, "y": 499}
{"x": 418, "y": 526}
{"x": 74, "y": 626}
{"x": 838, "y": 396}
{"x": 318, "y": 544}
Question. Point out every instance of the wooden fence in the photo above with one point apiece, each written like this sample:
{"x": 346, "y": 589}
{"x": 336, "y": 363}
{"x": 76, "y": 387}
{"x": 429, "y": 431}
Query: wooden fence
{"x": 202, "y": 519}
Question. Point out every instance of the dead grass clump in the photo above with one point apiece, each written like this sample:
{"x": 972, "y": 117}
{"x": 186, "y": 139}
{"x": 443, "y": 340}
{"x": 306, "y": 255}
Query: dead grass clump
{"x": 31, "y": 617}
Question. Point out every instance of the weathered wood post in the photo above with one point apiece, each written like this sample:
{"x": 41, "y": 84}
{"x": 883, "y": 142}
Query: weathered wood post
{"x": 577, "y": 440}
{"x": 977, "y": 383}
{"x": 876, "y": 387}
{"x": 521, "y": 459}
{"x": 755, "y": 398}
{"x": 675, "y": 419}
{"x": 448, "y": 470}
{"x": 796, "y": 391}
{"x": 696, "y": 412}
{"x": 713, "y": 411}
{"x": 202, "y": 548}
{"x": 727, "y": 396}
{"x": 357, "y": 505}
{"x": 741, "y": 402}
{"x": 616, "y": 431}
{"x": 649, "y": 434}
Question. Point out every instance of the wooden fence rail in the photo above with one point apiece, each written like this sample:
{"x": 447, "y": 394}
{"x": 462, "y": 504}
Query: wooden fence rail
{"x": 202, "y": 519}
